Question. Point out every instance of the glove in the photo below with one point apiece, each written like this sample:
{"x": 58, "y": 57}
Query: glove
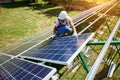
{"x": 74, "y": 34}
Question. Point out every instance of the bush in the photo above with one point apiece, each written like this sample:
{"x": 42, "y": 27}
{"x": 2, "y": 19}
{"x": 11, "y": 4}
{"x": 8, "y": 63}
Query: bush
{"x": 72, "y": 4}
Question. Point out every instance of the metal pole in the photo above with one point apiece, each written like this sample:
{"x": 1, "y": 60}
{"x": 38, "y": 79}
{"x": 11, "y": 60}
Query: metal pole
{"x": 108, "y": 26}
{"x": 100, "y": 57}
{"x": 116, "y": 42}
{"x": 84, "y": 62}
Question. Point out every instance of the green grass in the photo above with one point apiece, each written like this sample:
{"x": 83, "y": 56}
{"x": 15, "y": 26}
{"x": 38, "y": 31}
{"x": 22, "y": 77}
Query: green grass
{"x": 18, "y": 20}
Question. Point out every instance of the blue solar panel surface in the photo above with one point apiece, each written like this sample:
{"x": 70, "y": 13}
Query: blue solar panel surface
{"x": 4, "y": 75}
{"x": 17, "y": 69}
{"x": 59, "y": 51}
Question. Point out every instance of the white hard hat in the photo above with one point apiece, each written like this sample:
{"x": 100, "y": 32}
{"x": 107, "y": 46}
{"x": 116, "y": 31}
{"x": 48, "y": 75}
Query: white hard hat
{"x": 62, "y": 15}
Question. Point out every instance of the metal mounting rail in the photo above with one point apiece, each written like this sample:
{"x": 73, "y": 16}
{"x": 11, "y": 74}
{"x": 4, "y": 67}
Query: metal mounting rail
{"x": 100, "y": 57}
{"x": 98, "y": 18}
{"x": 115, "y": 42}
{"x": 7, "y": 55}
{"x": 83, "y": 16}
{"x": 90, "y": 11}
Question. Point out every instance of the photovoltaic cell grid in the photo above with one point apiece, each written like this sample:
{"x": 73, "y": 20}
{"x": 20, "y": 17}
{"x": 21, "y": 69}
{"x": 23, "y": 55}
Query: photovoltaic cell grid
{"x": 18, "y": 49}
{"x": 16, "y": 69}
{"x": 25, "y": 44}
{"x": 4, "y": 58}
{"x": 59, "y": 51}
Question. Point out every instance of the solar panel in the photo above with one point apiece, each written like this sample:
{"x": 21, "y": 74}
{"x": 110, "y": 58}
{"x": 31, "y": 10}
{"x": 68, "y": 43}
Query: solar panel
{"x": 4, "y": 58}
{"x": 20, "y": 46}
{"x": 17, "y": 69}
{"x": 60, "y": 51}
{"x": 4, "y": 75}
{"x": 18, "y": 49}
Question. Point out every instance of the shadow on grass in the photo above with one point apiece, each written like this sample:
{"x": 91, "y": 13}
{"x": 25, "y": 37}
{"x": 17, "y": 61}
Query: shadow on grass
{"x": 102, "y": 74}
{"x": 38, "y": 6}
{"x": 15, "y": 4}
{"x": 33, "y": 6}
{"x": 52, "y": 12}
{"x": 48, "y": 10}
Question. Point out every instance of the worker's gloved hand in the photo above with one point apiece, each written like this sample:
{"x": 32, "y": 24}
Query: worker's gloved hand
{"x": 74, "y": 34}
{"x": 54, "y": 37}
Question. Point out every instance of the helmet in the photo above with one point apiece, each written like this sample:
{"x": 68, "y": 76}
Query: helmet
{"x": 62, "y": 15}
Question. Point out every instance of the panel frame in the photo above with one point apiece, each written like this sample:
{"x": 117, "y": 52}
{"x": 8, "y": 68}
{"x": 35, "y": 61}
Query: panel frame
{"x": 68, "y": 63}
{"x": 7, "y": 72}
{"x": 49, "y": 75}
{"x": 6, "y": 55}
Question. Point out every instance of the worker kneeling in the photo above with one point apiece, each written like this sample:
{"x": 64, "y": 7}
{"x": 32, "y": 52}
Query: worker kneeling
{"x": 64, "y": 25}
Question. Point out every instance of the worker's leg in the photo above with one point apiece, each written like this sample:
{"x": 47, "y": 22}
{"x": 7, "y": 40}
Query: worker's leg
{"x": 60, "y": 31}
{"x": 68, "y": 30}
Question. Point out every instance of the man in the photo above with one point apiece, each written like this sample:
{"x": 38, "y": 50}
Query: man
{"x": 64, "y": 25}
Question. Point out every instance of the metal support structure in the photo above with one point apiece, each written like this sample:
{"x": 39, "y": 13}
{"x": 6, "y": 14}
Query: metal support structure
{"x": 100, "y": 57}
{"x": 114, "y": 56}
{"x": 84, "y": 62}
{"x": 70, "y": 69}
{"x": 98, "y": 18}
{"x": 98, "y": 9}
{"x": 115, "y": 42}
{"x": 117, "y": 67}
{"x": 108, "y": 26}
{"x": 94, "y": 50}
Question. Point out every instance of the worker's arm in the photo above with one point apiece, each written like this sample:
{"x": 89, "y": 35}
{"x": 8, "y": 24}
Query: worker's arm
{"x": 54, "y": 30}
{"x": 73, "y": 28}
